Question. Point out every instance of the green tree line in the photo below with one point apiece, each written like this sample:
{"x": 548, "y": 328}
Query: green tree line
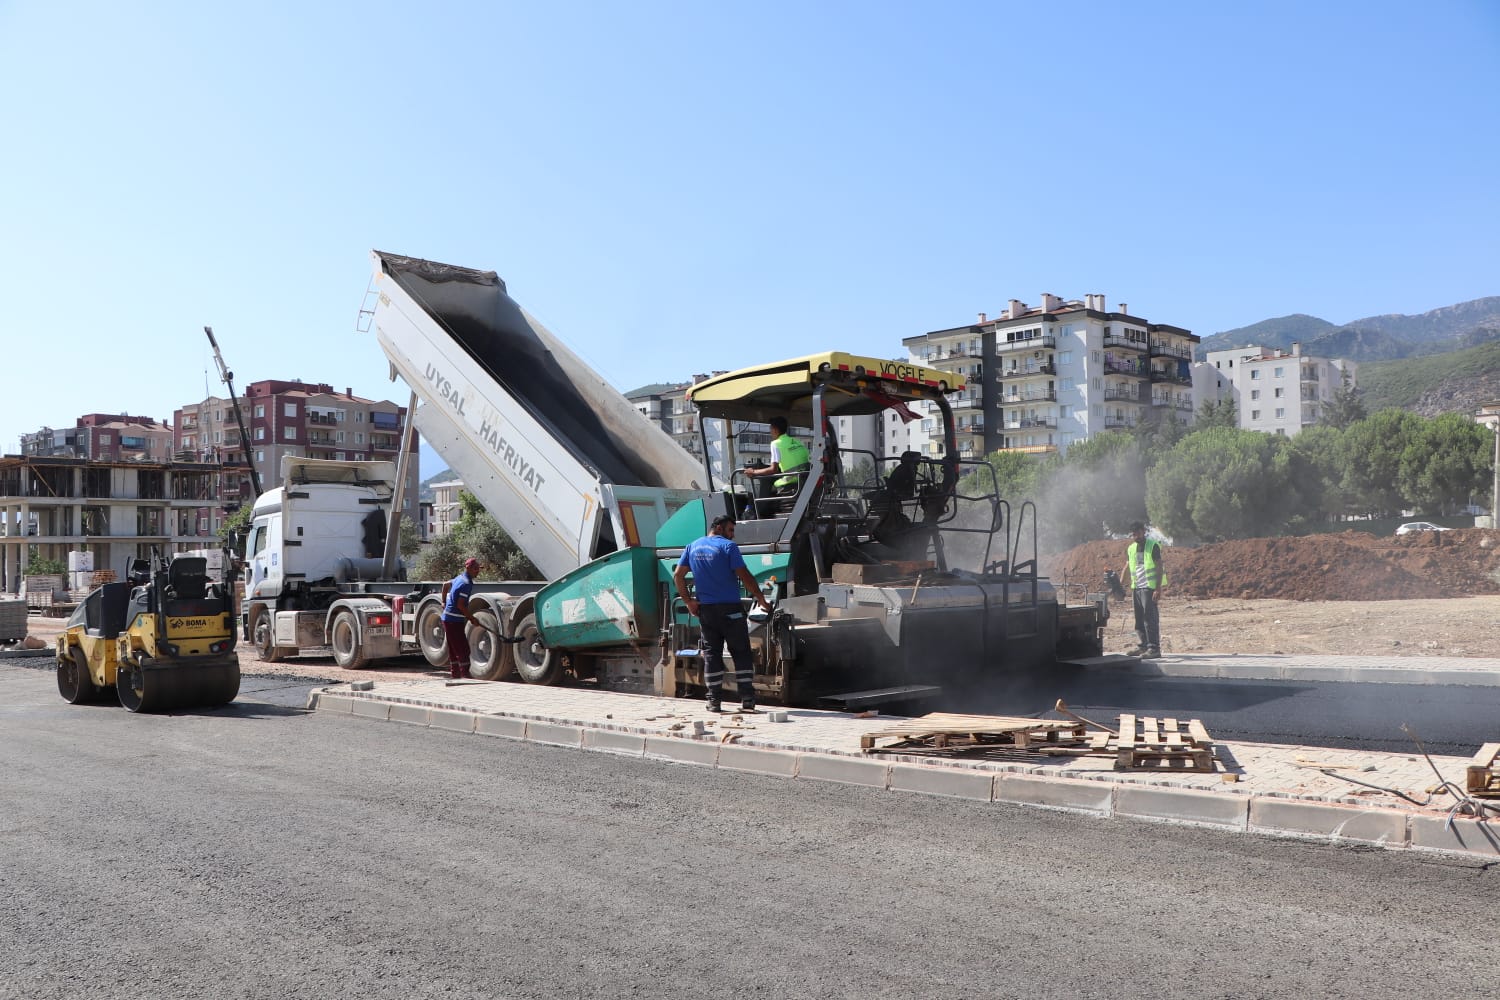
{"x": 1216, "y": 482}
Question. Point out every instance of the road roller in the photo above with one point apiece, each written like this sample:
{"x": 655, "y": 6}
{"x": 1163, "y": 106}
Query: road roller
{"x": 162, "y": 639}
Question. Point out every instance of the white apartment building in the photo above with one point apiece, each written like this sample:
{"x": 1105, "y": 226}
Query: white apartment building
{"x": 1276, "y": 391}
{"x": 446, "y": 509}
{"x": 1043, "y": 377}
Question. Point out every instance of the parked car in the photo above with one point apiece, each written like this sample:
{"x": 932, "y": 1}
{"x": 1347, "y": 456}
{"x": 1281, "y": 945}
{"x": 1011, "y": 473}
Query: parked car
{"x": 1411, "y": 526}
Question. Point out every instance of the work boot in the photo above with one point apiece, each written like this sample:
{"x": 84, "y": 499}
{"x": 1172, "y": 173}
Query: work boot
{"x": 1151, "y": 654}
{"x": 713, "y": 703}
{"x": 1137, "y": 651}
{"x": 747, "y": 705}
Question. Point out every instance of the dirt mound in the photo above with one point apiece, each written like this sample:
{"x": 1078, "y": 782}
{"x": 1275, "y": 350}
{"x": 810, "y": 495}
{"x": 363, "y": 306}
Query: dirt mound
{"x": 1350, "y": 566}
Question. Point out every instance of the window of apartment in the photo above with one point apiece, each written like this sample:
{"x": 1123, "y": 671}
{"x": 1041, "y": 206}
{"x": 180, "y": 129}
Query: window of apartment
{"x": 1281, "y": 431}
{"x": 217, "y": 436}
{"x": 260, "y": 456}
{"x": 1280, "y": 392}
{"x": 260, "y": 433}
{"x": 289, "y": 409}
{"x": 1254, "y": 414}
{"x": 338, "y": 455}
{"x": 1066, "y": 385}
{"x": 1062, "y": 412}
{"x": 1231, "y": 362}
{"x": 1255, "y": 374}
{"x": 104, "y": 439}
{"x": 1218, "y": 364}
{"x": 340, "y": 437}
{"x": 260, "y": 411}
{"x": 1098, "y": 410}
{"x": 1064, "y": 357}
{"x": 359, "y": 417}
{"x": 1254, "y": 393}
{"x": 359, "y": 437}
{"x": 290, "y": 433}
{"x": 1098, "y": 383}
{"x": 1280, "y": 412}
{"x": 1097, "y": 358}
{"x": 1280, "y": 371}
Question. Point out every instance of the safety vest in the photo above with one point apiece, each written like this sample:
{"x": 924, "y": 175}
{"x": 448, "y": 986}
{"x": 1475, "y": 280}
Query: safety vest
{"x": 1153, "y": 568}
{"x": 791, "y": 455}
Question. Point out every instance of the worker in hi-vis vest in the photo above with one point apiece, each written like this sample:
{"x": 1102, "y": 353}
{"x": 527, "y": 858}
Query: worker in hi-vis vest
{"x": 1146, "y": 577}
{"x": 789, "y": 459}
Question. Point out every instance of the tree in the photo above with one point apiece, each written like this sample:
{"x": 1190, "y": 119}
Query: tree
{"x": 411, "y": 538}
{"x": 1373, "y": 450}
{"x": 1217, "y": 414}
{"x": 478, "y": 535}
{"x": 1325, "y": 457}
{"x": 1345, "y": 408}
{"x": 1097, "y": 488}
{"x": 1447, "y": 460}
{"x": 1224, "y": 483}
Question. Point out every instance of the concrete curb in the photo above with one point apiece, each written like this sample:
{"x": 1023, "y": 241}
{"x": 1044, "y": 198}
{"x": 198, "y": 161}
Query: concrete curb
{"x": 1100, "y": 795}
{"x": 1280, "y": 668}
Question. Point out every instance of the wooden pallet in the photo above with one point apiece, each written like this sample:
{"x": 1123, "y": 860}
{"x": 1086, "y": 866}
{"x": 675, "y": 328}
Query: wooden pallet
{"x": 940, "y": 731}
{"x": 1153, "y": 744}
{"x": 1483, "y": 776}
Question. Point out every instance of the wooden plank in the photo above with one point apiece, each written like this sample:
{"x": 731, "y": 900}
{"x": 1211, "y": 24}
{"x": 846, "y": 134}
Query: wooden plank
{"x": 1487, "y": 754}
{"x": 1198, "y": 733}
{"x": 1127, "y": 732}
{"x": 1100, "y": 742}
{"x": 1150, "y": 732}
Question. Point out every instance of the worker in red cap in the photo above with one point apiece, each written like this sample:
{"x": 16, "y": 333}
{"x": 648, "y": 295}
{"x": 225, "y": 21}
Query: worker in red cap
{"x": 456, "y": 618}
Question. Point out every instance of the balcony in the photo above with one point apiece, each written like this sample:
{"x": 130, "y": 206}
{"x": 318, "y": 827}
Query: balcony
{"x": 1115, "y": 421}
{"x": 1167, "y": 402}
{"x": 977, "y": 427}
{"x": 1118, "y": 366}
{"x": 1031, "y": 449}
{"x": 964, "y": 401}
{"x": 1026, "y": 371}
{"x": 1129, "y": 343}
{"x": 1028, "y": 394}
{"x": 1128, "y": 393}
{"x": 1166, "y": 350}
{"x": 1026, "y": 423}
{"x": 1309, "y": 374}
{"x": 1029, "y": 344}
{"x": 1174, "y": 376}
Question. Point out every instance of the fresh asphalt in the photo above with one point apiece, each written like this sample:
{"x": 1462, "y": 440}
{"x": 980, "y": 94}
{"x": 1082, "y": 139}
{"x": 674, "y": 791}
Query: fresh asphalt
{"x": 261, "y": 851}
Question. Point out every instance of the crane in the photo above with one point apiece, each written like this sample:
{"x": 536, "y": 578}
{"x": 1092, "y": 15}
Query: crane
{"x": 227, "y": 377}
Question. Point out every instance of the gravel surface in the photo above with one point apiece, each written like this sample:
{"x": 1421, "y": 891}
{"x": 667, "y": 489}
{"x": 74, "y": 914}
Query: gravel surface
{"x": 257, "y": 851}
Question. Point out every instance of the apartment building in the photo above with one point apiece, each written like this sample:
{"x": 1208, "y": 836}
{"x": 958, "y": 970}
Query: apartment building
{"x": 446, "y": 509}
{"x": 117, "y": 510}
{"x": 296, "y": 418}
{"x": 1040, "y": 378}
{"x": 106, "y": 437}
{"x": 1276, "y": 391}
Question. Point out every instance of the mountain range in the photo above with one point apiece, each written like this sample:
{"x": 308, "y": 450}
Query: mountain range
{"x": 1375, "y": 338}
{"x": 1443, "y": 361}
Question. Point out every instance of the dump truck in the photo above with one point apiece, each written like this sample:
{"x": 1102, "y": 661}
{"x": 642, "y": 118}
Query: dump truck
{"x": 871, "y": 606}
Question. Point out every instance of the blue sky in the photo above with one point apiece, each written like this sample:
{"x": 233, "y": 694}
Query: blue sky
{"x": 674, "y": 188}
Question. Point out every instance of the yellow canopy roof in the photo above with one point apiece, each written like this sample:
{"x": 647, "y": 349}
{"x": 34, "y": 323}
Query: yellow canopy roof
{"x": 856, "y": 385}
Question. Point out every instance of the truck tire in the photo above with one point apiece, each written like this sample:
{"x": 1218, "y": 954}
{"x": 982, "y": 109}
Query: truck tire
{"x": 489, "y": 658}
{"x": 430, "y": 634}
{"x": 343, "y": 636}
{"x": 535, "y": 662}
{"x": 263, "y": 635}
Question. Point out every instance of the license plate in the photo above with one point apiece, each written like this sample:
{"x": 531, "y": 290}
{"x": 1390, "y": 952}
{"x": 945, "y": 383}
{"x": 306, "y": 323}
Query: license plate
{"x": 378, "y": 630}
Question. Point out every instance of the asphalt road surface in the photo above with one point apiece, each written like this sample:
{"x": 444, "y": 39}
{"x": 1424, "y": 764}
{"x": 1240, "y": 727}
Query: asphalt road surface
{"x": 259, "y": 851}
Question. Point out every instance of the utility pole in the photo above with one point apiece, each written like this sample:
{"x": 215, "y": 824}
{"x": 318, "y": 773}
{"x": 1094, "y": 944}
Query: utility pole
{"x": 1489, "y": 415}
{"x": 227, "y": 377}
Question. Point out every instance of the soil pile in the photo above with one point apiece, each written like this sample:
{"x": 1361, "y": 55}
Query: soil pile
{"x": 1350, "y": 566}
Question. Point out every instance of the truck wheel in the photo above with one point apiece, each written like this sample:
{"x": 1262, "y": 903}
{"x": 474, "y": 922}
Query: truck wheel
{"x": 489, "y": 658}
{"x": 263, "y": 634}
{"x": 535, "y": 662}
{"x": 430, "y": 634}
{"x": 344, "y": 637}
{"x": 74, "y": 682}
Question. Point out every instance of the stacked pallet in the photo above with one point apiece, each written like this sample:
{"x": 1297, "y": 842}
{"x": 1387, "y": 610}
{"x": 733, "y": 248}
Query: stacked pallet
{"x": 1149, "y": 743}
